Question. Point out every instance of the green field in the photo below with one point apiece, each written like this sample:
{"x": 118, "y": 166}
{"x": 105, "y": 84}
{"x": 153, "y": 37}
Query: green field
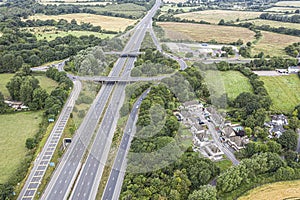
{"x": 52, "y": 35}
{"x": 231, "y": 82}
{"x": 4, "y": 78}
{"x": 45, "y": 83}
{"x": 284, "y": 91}
{"x": 235, "y": 83}
{"x": 14, "y": 130}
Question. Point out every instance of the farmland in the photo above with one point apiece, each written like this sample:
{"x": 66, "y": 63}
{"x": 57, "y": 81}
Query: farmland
{"x": 273, "y": 44}
{"x": 274, "y": 191}
{"x": 288, "y": 3}
{"x": 214, "y": 16}
{"x": 128, "y": 9}
{"x": 175, "y": 1}
{"x": 281, "y": 9}
{"x": 73, "y": 2}
{"x": 201, "y": 33}
{"x": 231, "y": 82}
{"x": 235, "y": 83}
{"x": 166, "y": 7}
{"x": 106, "y": 22}
{"x": 275, "y": 24}
{"x": 50, "y": 33}
{"x": 14, "y": 130}
{"x": 284, "y": 91}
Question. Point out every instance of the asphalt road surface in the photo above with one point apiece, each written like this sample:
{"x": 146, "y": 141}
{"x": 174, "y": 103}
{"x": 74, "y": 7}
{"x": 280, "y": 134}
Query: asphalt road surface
{"x": 87, "y": 184}
{"x": 116, "y": 177}
{"x": 64, "y": 177}
{"x": 67, "y": 170}
{"x": 41, "y": 163}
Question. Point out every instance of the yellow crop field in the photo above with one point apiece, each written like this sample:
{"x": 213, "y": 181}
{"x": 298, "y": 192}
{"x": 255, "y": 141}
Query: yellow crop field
{"x": 273, "y": 44}
{"x": 275, "y": 24}
{"x": 281, "y": 9}
{"x": 174, "y": 1}
{"x": 106, "y": 22}
{"x": 275, "y": 191}
{"x": 205, "y": 33}
{"x": 288, "y": 3}
{"x": 214, "y": 16}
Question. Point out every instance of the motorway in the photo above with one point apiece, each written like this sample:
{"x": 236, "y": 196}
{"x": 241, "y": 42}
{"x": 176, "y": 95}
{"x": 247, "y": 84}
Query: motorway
{"x": 86, "y": 186}
{"x": 116, "y": 177}
{"x": 41, "y": 163}
{"x": 90, "y": 172}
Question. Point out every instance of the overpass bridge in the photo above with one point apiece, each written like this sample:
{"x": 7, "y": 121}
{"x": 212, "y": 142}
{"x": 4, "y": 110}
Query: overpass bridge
{"x": 115, "y": 79}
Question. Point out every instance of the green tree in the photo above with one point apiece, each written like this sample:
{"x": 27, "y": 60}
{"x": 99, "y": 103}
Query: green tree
{"x": 289, "y": 140}
{"x": 30, "y": 143}
{"x": 14, "y": 86}
{"x": 3, "y": 106}
{"x": 39, "y": 97}
{"x": 205, "y": 192}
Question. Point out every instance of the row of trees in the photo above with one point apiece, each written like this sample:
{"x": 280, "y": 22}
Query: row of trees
{"x": 280, "y": 17}
{"x": 19, "y": 47}
{"x": 63, "y": 25}
{"x": 251, "y": 108}
{"x": 259, "y": 169}
{"x": 20, "y": 8}
{"x": 260, "y": 64}
{"x": 266, "y": 27}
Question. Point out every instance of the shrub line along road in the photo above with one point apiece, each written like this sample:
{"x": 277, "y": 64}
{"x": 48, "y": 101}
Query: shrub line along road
{"x": 41, "y": 163}
{"x": 90, "y": 173}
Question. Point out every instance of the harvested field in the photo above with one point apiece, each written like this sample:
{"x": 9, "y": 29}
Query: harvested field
{"x": 275, "y": 24}
{"x": 275, "y": 191}
{"x": 106, "y": 22}
{"x": 214, "y": 16}
{"x": 288, "y": 3}
{"x": 273, "y": 44}
{"x": 205, "y": 33}
{"x": 281, "y": 9}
